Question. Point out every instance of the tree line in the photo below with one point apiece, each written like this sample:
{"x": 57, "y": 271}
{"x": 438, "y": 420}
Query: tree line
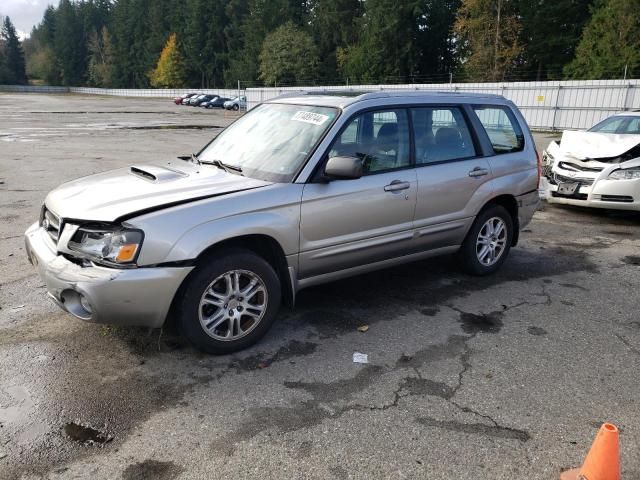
{"x": 215, "y": 43}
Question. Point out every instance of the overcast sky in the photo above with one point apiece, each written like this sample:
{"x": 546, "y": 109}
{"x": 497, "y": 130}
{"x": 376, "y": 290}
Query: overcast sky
{"x": 25, "y": 14}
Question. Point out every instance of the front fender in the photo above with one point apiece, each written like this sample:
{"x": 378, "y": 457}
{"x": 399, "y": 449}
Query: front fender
{"x": 181, "y": 233}
{"x": 282, "y": 228}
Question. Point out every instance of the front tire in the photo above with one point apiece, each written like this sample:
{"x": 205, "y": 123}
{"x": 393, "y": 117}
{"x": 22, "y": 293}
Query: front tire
{"x": 487, "y": 244}
{"x": 236, "y": 107}
{"x": 229, "y": 302}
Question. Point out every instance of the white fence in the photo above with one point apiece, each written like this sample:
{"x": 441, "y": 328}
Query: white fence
{"x": 122, "y": 92}
{"x": 545, "y": 105}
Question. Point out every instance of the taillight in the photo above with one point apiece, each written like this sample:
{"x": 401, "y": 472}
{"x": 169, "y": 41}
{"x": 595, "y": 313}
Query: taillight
{"x": 539, "y": 166}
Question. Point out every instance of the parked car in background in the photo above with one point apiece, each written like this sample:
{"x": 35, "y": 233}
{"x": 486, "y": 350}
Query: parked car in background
{"x": 598, "y": 168}
{"x": 185, "y": 101}
{"x": 196, "y": 101}
{"x": 236, "y": 103}
{"x": 178, "y": 100}
{"x": 299, "y": 191}
{"x": 216, "y": 102}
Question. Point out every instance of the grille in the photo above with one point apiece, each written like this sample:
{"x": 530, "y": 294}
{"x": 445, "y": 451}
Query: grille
{"x": 51, "y": 223}
{"x": 582, "y": 181}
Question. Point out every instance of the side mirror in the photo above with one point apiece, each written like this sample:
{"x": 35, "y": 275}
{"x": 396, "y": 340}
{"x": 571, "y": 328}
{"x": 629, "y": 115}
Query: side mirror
{"x": 346, "y": 168}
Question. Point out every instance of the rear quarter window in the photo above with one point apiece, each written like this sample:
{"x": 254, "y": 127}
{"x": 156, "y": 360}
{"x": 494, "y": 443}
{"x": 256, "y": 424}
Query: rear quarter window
{"x": 502, "y": 128}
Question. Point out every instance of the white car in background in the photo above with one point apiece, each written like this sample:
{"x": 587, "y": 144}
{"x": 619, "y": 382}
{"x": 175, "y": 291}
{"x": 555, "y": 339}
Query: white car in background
{"x": 597, "y": 168}
{"x": 236, "y": 103}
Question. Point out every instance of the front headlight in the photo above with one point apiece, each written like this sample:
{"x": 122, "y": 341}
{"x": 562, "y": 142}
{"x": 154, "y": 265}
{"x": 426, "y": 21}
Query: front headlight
{"x": 110, "y": 244}
{"x": 625, "y": 174}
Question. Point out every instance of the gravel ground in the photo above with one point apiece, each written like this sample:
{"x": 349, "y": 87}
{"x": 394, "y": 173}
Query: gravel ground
{"x": 469, "y": 378}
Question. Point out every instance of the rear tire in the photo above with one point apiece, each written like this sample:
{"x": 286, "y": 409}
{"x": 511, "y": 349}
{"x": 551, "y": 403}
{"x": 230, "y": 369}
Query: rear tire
{"x": 487, "y": 244}
{"x": 229, "y": 302}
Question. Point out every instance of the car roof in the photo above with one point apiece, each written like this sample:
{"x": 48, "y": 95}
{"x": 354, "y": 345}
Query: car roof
{"x": 332, "y": 98}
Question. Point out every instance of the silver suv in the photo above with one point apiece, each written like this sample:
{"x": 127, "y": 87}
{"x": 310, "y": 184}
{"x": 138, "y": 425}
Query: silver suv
{"x": 301, "y": 190}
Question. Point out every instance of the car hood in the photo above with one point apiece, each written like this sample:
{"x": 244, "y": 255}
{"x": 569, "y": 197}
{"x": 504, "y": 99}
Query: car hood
{"x": 595, "y": 145}
{"x": 127, "y": 191}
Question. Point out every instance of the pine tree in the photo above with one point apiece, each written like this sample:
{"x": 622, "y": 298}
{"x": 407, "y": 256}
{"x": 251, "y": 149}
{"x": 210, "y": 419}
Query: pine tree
{"x": 69, "y": 44}
{"x": 263, "y": 17}
{"x": 550, "y": 30}
{"x": 333, "y": 25}
{"x": 610, "y": 42}
{"x": 387, "y": 49}
{"x": 487, "y": 32}
{"x": 288, "y": 56}
{"x": 12, "y": 64}
{"x": 169, "y": 71}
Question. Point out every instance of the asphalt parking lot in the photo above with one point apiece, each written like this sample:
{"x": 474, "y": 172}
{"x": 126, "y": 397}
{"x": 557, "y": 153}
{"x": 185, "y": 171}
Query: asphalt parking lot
{"x": 502, "y": 377}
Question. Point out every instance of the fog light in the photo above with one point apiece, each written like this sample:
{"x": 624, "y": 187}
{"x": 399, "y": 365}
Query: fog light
{"x": 84, "y": 303}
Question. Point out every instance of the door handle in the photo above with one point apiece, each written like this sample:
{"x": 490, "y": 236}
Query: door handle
{"x": 396, "y": 186}
{"x": 478, "y": 172}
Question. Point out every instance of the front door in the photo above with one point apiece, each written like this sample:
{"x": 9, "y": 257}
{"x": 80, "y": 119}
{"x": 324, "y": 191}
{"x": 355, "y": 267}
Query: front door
{"x": 347, "y": 223}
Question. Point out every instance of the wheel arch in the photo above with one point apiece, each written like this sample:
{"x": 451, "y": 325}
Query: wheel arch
{"x": 262, "y": 245}
{"x": 510, "y": 203}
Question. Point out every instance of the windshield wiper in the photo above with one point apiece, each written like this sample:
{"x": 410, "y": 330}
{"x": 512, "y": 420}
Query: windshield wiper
{"x": 227, "y": 168}
{"x": 195, "y": 159}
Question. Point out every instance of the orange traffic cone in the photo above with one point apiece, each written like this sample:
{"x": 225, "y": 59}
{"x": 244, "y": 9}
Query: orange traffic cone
{"x": 603, "y": 459}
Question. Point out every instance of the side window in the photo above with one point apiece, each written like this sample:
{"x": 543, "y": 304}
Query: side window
{"x": 380, "y": 139}
{"x": 502, "y": 128}
{"x": 633, "y": 127}
{"x": 441, "y": 133}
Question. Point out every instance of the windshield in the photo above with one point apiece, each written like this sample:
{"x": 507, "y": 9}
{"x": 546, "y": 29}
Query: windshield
{"x": 620, "y": 124}
{"x": 272, "y": 141}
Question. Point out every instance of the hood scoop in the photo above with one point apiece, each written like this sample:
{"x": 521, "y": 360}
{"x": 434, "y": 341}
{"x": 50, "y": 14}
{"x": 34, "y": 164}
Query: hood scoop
{"x": 156, "y": 174}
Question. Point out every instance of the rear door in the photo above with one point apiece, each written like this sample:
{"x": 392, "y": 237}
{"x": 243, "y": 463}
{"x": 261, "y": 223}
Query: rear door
{"x": 347, "y": 223}
{"x": 453, "y": 175}
{"x": 513, "y": 161}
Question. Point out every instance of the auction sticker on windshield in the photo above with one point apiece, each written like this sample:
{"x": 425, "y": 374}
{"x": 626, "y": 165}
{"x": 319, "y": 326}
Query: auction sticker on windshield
{"x": 310, "y": 117}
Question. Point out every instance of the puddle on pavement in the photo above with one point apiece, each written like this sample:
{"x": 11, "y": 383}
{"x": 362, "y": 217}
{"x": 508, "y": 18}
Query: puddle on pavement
{"x": 484, "y": 322}
{"x": 173, "y": 127}
{"x": 632, "y": 260}
{"x": 85, "y": 434}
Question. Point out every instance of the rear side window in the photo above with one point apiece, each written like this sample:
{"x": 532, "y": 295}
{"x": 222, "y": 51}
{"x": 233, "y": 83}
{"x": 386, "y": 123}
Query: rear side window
{"x": 502, "y": 128}
{"x": 441, "y": 134}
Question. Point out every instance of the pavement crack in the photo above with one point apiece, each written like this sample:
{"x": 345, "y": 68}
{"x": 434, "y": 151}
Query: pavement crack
{"x": 627, "y": 343}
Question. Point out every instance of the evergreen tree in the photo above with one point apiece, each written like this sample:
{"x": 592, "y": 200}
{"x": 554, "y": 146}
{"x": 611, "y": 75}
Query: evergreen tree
{"x": 169, "y": 71}
{"x": 12, "y": 65}
{"x": 204, "y": 42}
{"x": 288, "y": 56}
{"x": 333, "y": 24}
{"x": 263, "y": 17}
{"x": 487, "y": 32}
{"x": 387, "y": 50}
{"x": 550, "y": 31}
{"x": 610, "y": 42}
{"x": 69, "y": 44}
{"x": 437, "y": 56}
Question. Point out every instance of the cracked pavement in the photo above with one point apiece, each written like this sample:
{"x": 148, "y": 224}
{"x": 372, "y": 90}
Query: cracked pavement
{"x": 469, "y": 378}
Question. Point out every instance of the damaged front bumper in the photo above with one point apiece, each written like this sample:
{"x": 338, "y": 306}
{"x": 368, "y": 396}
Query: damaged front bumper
{"x": 133, "y": 297}
{"x": 588, "y": 185}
